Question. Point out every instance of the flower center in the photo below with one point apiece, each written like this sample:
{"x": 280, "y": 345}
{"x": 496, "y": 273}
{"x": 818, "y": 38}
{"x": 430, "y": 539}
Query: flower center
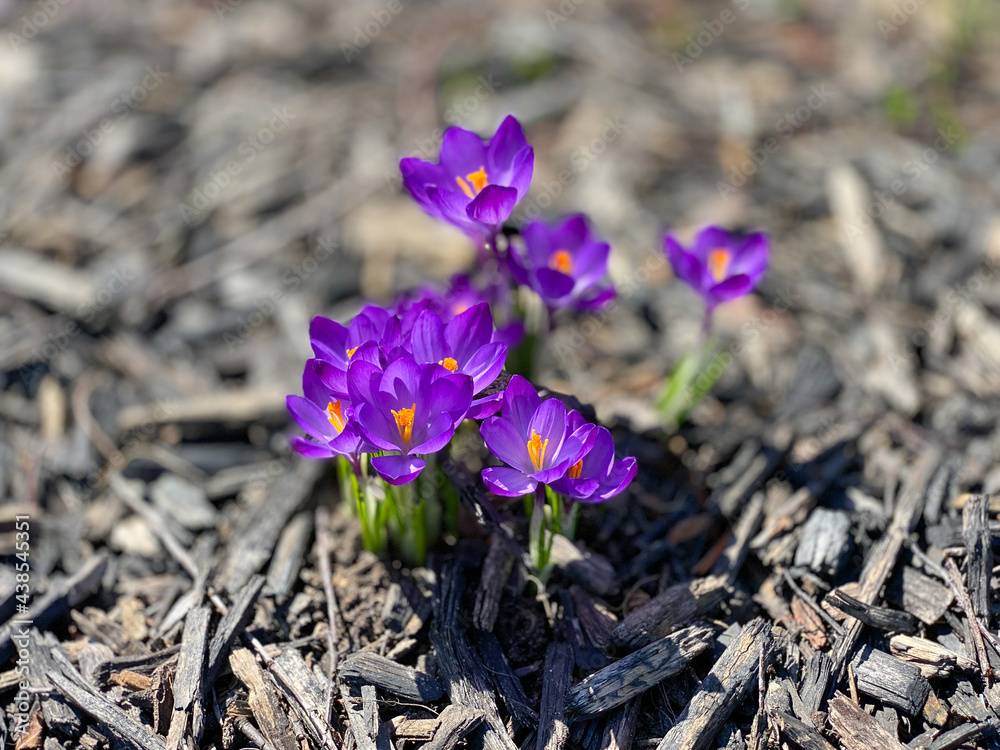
{"x": 536, "y": 450}
{"x": 404, "y": 423}
{"x": 449, "y": 364}
{"x": 336, "y": 416}
{"x": 561, "y": 261}
{"x": 575, "y": 469}
{"x": 350, "y": 352}
{"x": 478, "y": 180}
{"x": 718, "y": 263}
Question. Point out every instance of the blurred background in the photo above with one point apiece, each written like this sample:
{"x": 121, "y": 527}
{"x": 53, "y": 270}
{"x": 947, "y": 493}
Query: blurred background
{"x": 183, "y": 185}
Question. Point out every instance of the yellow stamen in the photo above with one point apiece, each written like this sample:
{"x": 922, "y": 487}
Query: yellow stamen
{"x": 336, "y": 416}
{"x": 478, "y": 180}
{"x": 350, "y": 352}
{"x": 561, "y": 261}
{"x": 718, "y": 263}
{"x": 449, "y": 364}
{"x": 404, "y": 423}
{"x": 536, "y": 450}
{"x": 575, "y": 469}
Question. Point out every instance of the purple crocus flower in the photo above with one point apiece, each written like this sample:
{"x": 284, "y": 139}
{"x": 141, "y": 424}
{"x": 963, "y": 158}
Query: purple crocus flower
{"x": 533, "y": 438}
{"x": 564, "y": 263}
{"x": 475, "y": 185}
{"x": 408, "y": 410}
{"x": 597, "y": 476}
{"x": 326, "y": 417}
{"x": 720, "y": 266}
{"x": 465, "y": 345}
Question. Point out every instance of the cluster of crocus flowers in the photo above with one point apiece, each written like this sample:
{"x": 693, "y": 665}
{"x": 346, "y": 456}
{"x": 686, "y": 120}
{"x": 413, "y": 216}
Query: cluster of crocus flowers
{"x": 387, "y": 390}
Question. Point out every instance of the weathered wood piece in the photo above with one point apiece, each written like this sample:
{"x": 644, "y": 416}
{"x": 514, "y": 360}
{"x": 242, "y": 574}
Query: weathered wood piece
{"x": 464, "y": 677}
{"x": 231, "y": 625}
{"x": 257, "y": 535}
{"x": 893, "y": 681}
{"x": 979, "y": 554}
{"x": 589, "y": 569}
{"x": 303, "y": 690}
{"x": 553, "y": 728}
{"x": 882, "y": 558}
{"x": 825, "y": 543}
{"x": 271, "y": 716}
{"x": 454, "y": 723}
{"x": 507, "y": 686}
{"x": 723, "y": 689}
{"x": 126, "y": 730}
{"x": 385, "y": 674}
{"x": 933, "y": 659}
{"x": 188, "y": 715}
{"x": 731, "y": 561}
{"x": 636, "y": 673}
{"x": 880, "y": 618}
{"x": 63, "y": 595}
{"x": 364, "y": 725}
{"x": 497, "y": 568}
{"x": 58, "y": 714}
{"x": 856, "y": 729}
{"x": 670, "y": 610}
{"x": 813, "y": 686}
{"x": 920, "y": 595}
{"x": 799, "y": 733}
{"x": 619, "y": 732}
{"x": 958, "y": 737}
{"x": 752, "y": 469}
{"x": 288, "y": 556}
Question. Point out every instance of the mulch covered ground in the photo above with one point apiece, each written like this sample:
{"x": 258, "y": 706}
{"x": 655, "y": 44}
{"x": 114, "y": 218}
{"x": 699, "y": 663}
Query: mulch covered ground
{"x": 808, "y": 562}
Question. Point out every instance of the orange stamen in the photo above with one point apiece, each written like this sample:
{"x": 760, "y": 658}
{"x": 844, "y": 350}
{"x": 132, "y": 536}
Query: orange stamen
{"x": 350, "y": 352}
{"x": 478, "y": 180}
{"x": 718, "y": 263}
{"x": 536, "y": 450}
{"x": 404, "y": 423}
{"x": 449, "y": 364}
{"x": 575, "y": 469}
{"x": 561, "y": 261}
{"x": 336, "y": 416}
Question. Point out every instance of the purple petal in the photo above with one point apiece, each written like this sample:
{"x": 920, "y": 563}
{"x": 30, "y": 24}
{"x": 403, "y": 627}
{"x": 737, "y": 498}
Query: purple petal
{"x": 553, "y": 285}
{"x": 362, "y": 382}
{"x": 493, "y": 206}
{"x": 731, "y": 288}
{"x": 506, "y": 143}
{"x": 506, "y": 443}
{"x": 600, "y": 298}
{"x": 549, "y": 422}
{"x": 751, "y": 257}
{"x": 686, "y": 266}
{"x": 398, "y": 469}
{"x": 520, "y": 401}
{"x": 484, "y": 407}
{"x": 310, "y": 418}
{"x": 572, "y": 232}
{"x": 590, "y": 263}
{"x": 484, "y": 366}
{"x": 621, "y": 476}
{"x": 308, "y": 448}
{"x": 709, "y": 239}
{"x": 508, "y": 482}
{"x": 451, "y": 395}
{"x": 329, "y": 339}
{"x": 538, "y": 241}
{"x": 427, "y": 338}
{"x": 376, "y": 427}
{"x": 462, "y": 152}
{"x": 436, "y": 435}
{"x": 468, "y": 331}
{"x": 521, "y": 171}
{"x": 400, "y": 385}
